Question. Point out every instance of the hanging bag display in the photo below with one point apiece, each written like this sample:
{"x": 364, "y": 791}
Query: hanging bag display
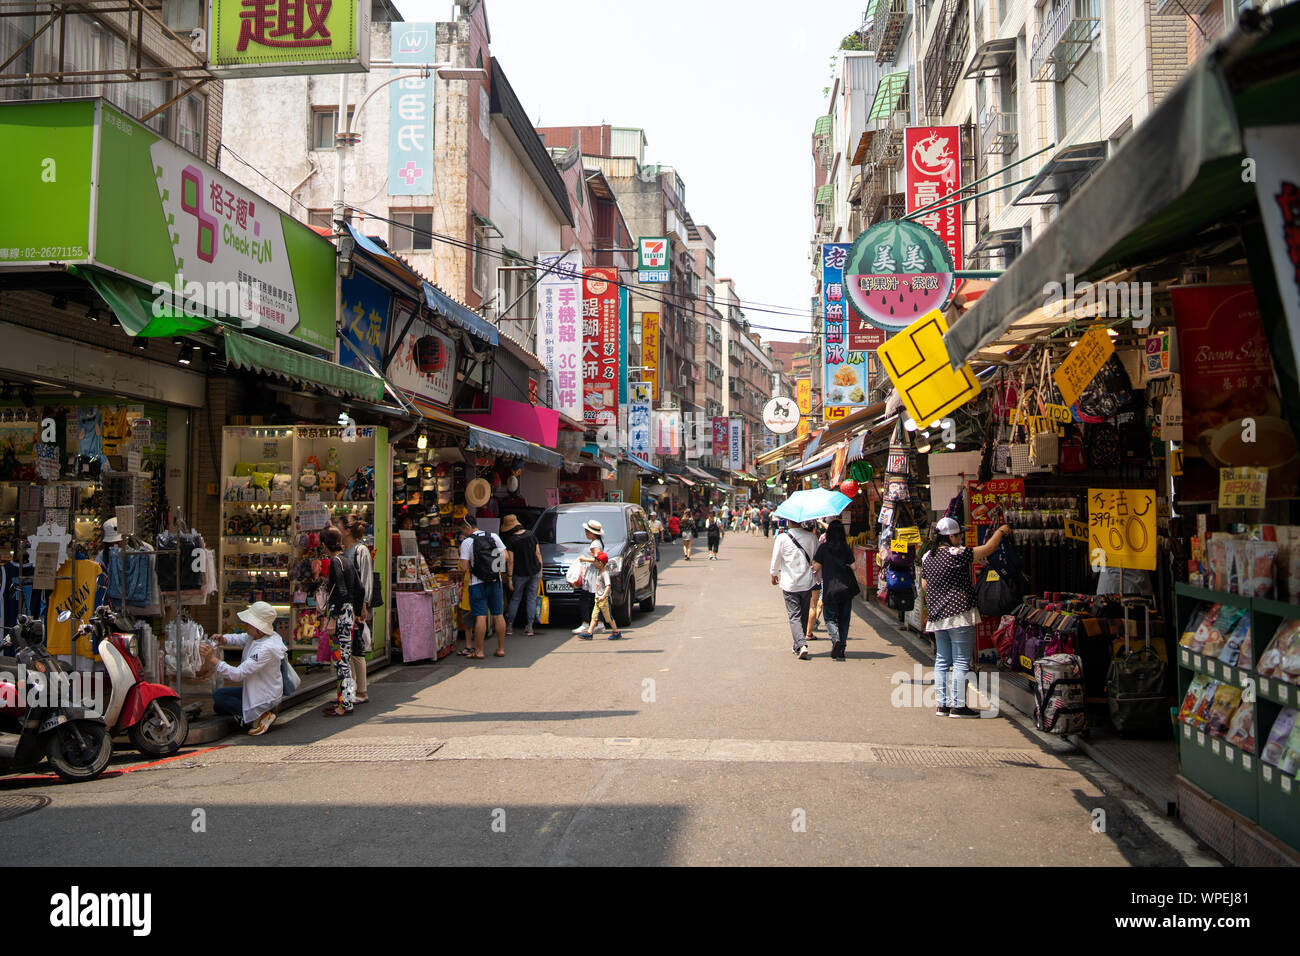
{"x": 1044, "y": 447}
{"x": 1073, "y": 457}
{"x": 1104, "y": 450}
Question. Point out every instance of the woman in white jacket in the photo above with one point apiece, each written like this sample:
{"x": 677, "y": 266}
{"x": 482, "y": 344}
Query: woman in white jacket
{"x": 259, "y": 671}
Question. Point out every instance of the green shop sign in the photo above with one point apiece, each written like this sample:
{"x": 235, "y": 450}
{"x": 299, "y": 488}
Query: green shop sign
{"x": 89, "y": 187}
{"x": 282, "y": 37}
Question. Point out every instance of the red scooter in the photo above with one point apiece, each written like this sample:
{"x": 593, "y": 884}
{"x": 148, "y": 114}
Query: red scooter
{"x": 150, "y": 714}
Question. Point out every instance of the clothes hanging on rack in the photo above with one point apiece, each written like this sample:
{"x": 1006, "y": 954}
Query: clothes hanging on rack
{"x": 138, "y": 569}
{"x": 191, "y": 578}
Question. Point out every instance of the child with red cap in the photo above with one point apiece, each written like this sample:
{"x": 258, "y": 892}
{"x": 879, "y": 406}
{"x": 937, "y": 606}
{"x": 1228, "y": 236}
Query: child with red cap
{"x": 603, "y": 586}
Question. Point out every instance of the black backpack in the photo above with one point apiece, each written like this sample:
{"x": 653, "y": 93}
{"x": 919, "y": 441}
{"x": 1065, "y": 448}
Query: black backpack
{"x": 484, "y": 565}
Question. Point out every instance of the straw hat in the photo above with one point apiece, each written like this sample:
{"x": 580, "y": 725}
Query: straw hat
{"x": 509, "y": 523}
{"x": 260, "y": 615}
{"x": 478, "y": 493}
{"x": 595, "y": 527}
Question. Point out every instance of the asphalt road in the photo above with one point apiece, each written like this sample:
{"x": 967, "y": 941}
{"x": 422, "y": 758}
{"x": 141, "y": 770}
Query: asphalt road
{"x": 699, "y": 739}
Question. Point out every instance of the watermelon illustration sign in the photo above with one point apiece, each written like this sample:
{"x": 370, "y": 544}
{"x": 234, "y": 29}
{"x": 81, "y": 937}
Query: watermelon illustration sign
{"x": 893, "y": 273}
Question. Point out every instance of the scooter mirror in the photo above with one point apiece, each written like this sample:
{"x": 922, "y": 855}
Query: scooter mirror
{"x": 65, "y": 616}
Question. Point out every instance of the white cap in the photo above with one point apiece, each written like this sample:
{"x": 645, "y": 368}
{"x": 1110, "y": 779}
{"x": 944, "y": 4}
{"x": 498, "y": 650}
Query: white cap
{"x": 948, "y": 526}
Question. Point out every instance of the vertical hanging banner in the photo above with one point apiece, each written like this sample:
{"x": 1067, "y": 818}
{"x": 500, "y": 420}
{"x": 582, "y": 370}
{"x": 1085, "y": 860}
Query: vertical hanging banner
{"x": 737, "y": 444}
{"x": 721, "y": 438}
{"x": 559, "y": 296}
{"x": 650, "y": 351}
{"x": 843, "y": 345}
{"x": 933, "y": 171}
{"x": 668, "y": 428}
{"x": 638, "y": 419}
{"x": 410, "y": 126}
{"x": 804, "y": 393}
{"x": 600, "y": 350}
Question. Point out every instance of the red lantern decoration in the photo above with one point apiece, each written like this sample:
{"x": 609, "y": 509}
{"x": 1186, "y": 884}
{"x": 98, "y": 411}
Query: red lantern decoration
{"x": 430, "y": 356}
{"x": 849, "y": 488}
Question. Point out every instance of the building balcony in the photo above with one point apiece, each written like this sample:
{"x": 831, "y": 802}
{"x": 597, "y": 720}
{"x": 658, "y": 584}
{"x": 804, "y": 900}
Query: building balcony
{"x": 998, "y": 135}
{"x": 1064, "y": 37}
{"x": 890, "y": 20}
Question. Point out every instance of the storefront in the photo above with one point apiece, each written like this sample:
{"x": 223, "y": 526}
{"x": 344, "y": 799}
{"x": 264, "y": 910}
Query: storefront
{"x": 1140, "y": 438}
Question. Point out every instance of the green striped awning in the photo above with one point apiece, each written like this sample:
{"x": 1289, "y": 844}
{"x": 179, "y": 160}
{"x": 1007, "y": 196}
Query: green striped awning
{"x": 825, "y": 193}
{"x": 259, "y": 356}
{"x": 887, "y": 93}
{"x": 823, "y": 127}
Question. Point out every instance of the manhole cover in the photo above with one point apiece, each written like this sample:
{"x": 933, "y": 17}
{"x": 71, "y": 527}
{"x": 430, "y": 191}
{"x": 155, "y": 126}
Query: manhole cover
{"x": 948, "y": 757}
{"x": 15, "y": 805}
{"x": 409, "y": 675}
{"x": 372, "y": 753}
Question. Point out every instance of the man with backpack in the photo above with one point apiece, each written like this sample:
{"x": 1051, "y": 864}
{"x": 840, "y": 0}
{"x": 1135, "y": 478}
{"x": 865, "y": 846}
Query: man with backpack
{"x": 792, "y": 569}
{"x": 483, "y": 560}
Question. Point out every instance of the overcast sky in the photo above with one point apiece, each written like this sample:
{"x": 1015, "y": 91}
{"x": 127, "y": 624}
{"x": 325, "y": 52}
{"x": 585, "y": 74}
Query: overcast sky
{"x": 727, "y": 92}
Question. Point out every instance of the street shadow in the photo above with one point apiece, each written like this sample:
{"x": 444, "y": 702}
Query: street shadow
{"x": 351, "y": 833}
{"x": 1108, "y": 817}
{"x": 535, "y": 716}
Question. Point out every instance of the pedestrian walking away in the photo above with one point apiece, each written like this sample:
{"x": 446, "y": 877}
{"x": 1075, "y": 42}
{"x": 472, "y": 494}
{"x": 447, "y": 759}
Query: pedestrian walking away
{"x": 713, "y": 534}
{"x": 815, "y": 603}
{"x": 483, "y": 560}
{"x": 674, "y": 527}
{"x": 353, "y": 529}
{"x": 595, "y": 532}
{"x": 524, "y": 572}
{"x": 688, "y": 533}
{"x": 949, "y": 589}
{"x": 346, "y": 594}
{"x": 792, "y": 570}
{"x": 599, "y": 564}
{"x": 765, "y": 517}
{"x": 833, "y": 563}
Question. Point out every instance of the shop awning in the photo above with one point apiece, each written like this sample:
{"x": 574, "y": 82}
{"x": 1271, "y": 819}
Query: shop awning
{"x": 134, "y": 304}
{"x": 857, "y": 448}
{"x": 643, "y": 465}
{"x": 701, "y": 473}
{"x": 256, "y": 355}
{"x": 992, "y": 57}
{"x": 529, "y": 422}
{"x": 776, "y": 454}
{"x": 459, "y": 314}
{"x": 684, "y": 480}
{"x": 810, "y": 449}
{"x": 887, "y": 93}
{"x": 995, "y": 242}
{"x": 817, "y": 464}
{"x": 1058, "y": 178}
{"x": 1133, "y": 208}
{"x": 484, "y": 439}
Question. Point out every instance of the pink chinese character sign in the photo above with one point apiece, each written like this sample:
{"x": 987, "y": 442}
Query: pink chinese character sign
{"x": 559, "y": 330}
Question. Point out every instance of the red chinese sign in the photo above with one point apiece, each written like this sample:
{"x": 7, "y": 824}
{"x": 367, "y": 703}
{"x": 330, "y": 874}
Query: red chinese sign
{"x": 721, "y": 436}
{"x": 933, "y": 171}
{"x": 989, "y": 498}
{"x": 600, "y": 347}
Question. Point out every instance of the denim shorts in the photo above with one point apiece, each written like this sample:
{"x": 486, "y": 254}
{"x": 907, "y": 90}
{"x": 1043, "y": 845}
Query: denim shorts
{"x": 485, "y": 599}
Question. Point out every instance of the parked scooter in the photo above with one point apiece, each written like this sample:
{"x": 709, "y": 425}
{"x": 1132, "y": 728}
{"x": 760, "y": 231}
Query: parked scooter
{"x": 150, "y": 714}
{"x": 34, "y": 727}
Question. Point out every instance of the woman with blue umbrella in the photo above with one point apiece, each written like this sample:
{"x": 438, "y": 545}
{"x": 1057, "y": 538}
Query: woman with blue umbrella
{"x": 792, "y": 551}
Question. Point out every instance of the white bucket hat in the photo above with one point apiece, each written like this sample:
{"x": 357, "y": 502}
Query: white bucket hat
{"x": 111, "y": 534}
{"x": 260, "y": 615}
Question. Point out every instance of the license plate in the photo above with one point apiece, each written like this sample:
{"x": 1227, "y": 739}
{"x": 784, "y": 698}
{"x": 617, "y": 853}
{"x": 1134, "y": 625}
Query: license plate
{"x": 559, "y": 585}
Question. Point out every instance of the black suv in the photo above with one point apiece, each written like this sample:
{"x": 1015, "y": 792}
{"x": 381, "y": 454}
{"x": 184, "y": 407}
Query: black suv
{"x": 633, "y": 568}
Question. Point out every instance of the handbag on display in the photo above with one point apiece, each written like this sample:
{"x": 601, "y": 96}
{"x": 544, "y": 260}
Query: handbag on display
{"x": 1073, "y": 457}
{"x": 1108, "y": 392}
{"x": 1104, "y": 450}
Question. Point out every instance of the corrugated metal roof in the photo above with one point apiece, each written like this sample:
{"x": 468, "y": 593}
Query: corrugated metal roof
{"x": 823, "y": 126}
{"x": 825, "y": 193}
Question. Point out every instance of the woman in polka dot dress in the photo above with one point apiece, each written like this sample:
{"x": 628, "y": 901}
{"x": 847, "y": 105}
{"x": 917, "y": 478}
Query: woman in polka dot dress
{"x": 951, "y": 613}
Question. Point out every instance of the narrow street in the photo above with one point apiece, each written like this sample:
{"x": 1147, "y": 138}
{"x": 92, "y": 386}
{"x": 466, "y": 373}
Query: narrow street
{"x": 699, "y": 739}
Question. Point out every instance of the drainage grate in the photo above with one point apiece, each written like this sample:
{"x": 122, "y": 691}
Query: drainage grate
{"x": 15, "y": 805}
{"x": 952, "y": 757}
{"x": 408, "y": 675}
{"x": 365, "y": 753}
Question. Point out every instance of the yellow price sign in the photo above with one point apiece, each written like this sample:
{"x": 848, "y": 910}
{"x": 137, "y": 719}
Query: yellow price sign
{"x": 916, "y": 361}
{"x": 898, "y": 546}
{"x": 1083, "y": 363}
{"x": 1076, "y": 530}
{"x": 1122, "y": 523}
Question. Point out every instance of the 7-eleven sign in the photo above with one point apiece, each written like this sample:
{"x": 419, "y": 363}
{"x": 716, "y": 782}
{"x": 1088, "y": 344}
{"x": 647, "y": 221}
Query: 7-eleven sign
{"x": 652, "y": 259}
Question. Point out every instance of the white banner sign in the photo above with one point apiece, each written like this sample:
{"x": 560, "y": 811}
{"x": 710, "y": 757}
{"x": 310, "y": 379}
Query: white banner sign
{"x": 559, "y": 330}
{"x": 737, "y": 444}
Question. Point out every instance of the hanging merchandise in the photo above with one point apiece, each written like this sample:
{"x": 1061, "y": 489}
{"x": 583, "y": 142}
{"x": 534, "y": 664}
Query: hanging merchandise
{"x": 190, "y": 637}
{"x": 191, "y": 561}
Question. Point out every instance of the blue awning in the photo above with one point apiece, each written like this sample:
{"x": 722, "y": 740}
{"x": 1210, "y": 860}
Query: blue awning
{"x": 643, "y": 465}
{"x": 810, "y": 449}
{"x": 817, "y": 464}
{"x": 857, "y": 447}
{"x": 453, "y": 311}
{"x": 484, "y": 439}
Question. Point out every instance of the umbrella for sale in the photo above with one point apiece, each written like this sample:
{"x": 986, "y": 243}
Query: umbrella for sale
{"x": 813, "y": 504}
